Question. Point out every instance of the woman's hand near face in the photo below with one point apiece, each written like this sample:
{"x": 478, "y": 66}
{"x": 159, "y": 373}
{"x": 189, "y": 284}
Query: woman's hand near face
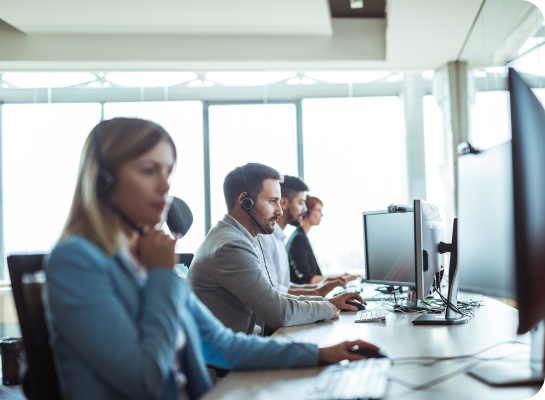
{"x": 157, "y": 250}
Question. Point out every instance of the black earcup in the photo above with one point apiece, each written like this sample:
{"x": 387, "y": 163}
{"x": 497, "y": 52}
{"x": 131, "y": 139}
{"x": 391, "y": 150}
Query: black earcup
{"x": 247, "y": 203}
{"x": 309, "y": 211}
{"x": 105, "y": 183}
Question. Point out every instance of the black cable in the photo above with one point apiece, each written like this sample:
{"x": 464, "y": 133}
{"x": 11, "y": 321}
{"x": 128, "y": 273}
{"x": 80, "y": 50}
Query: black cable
{"x": 263, "y": 254}
{"x": 449, "y": 304}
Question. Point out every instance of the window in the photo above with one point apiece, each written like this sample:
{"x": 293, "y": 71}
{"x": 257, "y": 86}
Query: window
{"x": 183, "y": 121}
{"x": 354, "y": 162}
{"x": 490, "y": 119}
{"x": 263, "y": 133}
{"x": 42, "y": 145}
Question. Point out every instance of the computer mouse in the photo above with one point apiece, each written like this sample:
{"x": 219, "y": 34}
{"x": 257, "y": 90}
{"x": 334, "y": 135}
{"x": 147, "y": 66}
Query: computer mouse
{"x": 355, "y": 304}
{"x": 369, "y": 353}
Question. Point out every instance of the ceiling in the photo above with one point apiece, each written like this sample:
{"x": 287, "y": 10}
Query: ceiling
{"x": 210, "y": 17}
{"x": 296, "y": 35}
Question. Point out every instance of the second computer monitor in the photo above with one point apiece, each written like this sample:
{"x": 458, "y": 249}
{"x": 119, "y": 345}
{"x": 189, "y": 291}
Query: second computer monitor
{"x": 389, "y": 248}
{"x": 428, "y": 233}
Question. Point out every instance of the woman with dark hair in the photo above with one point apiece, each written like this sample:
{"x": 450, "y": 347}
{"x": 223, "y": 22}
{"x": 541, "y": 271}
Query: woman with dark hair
{"x": 304, "y": 268}
{"x": 123, "y": 325}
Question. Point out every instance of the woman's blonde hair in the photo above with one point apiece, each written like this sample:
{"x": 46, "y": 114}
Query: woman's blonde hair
{"x": 118, "y": 140}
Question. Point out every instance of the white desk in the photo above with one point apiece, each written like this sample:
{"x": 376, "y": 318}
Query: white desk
{"x": 494, "y": 322}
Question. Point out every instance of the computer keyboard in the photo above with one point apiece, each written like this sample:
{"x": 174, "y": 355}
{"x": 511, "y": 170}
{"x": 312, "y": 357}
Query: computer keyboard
{"x": 365, "y": 379}
{"x": 378, "y": 314}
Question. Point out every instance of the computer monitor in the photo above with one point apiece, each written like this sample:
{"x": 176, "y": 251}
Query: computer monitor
{"x": 389, "y": 248}
{"x": 501, "y": 191}
{"x": 485, "y": 208}
{"x": 430, "y": 264}
{"x": 428, "y": 233}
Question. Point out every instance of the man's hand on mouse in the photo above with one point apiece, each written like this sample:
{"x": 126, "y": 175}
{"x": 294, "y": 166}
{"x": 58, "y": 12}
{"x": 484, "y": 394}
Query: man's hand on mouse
{"x": 341, "y": 351}
{"x": 340, "y": 301}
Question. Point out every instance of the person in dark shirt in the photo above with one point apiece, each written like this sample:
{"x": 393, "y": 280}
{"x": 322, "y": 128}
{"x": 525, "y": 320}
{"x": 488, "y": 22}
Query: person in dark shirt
{"x": 303, "y": 265}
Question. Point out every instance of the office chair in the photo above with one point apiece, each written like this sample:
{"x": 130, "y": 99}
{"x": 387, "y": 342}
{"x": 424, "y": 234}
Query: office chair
{"x": 184, "y": 258}
{"x": 27, "y": 293}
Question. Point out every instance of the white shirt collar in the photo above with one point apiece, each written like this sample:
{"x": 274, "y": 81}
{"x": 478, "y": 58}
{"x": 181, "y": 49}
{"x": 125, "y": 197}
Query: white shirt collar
{"x": 279, "y": 232}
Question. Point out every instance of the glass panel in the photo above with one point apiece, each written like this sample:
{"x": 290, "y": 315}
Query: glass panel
{"x": 42, "y": 146}
{"x": 439, "y": 182}
{"x": 354, "y": 156}
{"x": 183, "y": 121}
{"x": 263, "y": 133}
{"x": 490, "y": 119}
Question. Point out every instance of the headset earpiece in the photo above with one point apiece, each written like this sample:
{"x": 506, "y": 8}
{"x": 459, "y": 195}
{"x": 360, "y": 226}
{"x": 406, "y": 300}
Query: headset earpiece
{"x": 105, "y": 183}
{"x": 309, "y": 211}
{"x": 247, "y": 203}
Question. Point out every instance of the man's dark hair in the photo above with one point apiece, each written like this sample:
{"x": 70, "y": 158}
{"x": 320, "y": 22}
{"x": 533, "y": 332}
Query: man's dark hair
{"x": 291, "y": 186}
{"x": 256, "y": 173}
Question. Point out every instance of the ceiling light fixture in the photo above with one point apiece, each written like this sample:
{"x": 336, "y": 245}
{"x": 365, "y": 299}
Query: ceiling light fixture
{"x": 356, "y": 3}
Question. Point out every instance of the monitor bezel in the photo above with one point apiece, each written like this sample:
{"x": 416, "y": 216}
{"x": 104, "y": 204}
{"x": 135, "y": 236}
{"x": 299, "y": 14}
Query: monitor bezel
{"x": 366, "y": 253}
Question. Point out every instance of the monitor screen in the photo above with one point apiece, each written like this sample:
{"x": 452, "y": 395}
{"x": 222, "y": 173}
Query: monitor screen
{"x": 389, "y": 248}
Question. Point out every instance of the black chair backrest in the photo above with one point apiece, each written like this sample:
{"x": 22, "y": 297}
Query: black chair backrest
{"x": 27, "y": 294}
{"x": 184, "y": 258}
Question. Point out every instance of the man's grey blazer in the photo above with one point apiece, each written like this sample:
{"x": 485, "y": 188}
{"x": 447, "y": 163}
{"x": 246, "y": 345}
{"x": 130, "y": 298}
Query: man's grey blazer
{"x": 226, "y": 276}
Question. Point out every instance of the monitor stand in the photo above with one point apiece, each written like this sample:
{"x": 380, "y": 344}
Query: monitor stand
{"x": 450, "y": 317}
{"x": 507, "y": 373}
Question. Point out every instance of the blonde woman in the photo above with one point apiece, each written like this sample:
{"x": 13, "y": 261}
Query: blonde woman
{"x": 123, "y": 325}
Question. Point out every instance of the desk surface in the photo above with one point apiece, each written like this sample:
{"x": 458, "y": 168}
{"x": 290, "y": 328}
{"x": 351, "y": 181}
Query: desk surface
{"x": 494, "y": 323}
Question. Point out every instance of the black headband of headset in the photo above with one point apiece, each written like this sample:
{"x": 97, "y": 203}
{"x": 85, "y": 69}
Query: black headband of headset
{"x": 246, "y": 182}
{"x": 101, "y": 161}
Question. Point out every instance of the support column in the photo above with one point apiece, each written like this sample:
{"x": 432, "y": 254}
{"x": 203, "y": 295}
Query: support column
{"x": 450, "y": 91}
{"x": 413, "y": 107}
{"x": 3, "y": 269}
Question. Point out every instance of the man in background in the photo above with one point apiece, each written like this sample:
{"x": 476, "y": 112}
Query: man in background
{"x": 294, "y": 192}
{"x": 226, "y": 274}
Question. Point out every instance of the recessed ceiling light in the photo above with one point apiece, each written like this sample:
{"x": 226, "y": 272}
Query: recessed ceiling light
{"x": 356, "y": 3}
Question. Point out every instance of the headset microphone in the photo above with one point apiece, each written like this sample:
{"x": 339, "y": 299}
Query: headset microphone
{"x": 247, "y": 203}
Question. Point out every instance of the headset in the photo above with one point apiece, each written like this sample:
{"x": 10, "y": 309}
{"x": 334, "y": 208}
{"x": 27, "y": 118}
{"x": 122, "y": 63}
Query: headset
{"x": 308, "y": 212}
{"x": 106, "y": 182}
{"x": 247, "y": 203}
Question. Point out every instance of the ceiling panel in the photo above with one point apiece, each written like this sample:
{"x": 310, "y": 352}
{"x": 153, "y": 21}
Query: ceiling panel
{"x": 211, "y": 17}
{"x": 371, "y": 9}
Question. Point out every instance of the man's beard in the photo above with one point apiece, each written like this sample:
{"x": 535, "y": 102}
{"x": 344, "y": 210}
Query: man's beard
{"x": 295, "y": 221}
{"x": 264, "y": 223}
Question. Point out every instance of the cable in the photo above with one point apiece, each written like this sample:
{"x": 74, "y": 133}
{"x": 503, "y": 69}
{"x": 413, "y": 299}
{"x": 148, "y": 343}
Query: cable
{"x": 466, "y": 368}
{"x": 263, "y": 254}
{"x": 436, "y": 381}
{"x": 459, "y": 357}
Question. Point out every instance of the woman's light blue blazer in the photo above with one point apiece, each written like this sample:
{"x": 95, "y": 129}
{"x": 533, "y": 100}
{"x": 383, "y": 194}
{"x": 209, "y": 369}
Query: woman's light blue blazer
{"x": 114, "y": 335}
